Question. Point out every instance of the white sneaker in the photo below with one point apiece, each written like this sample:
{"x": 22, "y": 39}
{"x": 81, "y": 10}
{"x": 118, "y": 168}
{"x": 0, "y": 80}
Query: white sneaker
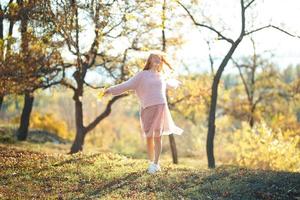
{"x": 153, "y": 168}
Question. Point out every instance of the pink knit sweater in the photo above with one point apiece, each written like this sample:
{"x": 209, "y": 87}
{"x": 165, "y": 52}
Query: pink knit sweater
{"x": 149, "y": 86}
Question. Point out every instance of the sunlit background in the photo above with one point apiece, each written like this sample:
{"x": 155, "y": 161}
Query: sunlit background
{"x": 62, "y": 138}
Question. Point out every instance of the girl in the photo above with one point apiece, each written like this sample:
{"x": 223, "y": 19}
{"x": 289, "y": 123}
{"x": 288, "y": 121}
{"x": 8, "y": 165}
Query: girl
{"x": 155, "y": 118}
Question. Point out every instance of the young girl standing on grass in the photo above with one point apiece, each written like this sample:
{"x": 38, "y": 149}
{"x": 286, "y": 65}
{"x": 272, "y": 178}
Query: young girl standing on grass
{"x": 155, "y": 118}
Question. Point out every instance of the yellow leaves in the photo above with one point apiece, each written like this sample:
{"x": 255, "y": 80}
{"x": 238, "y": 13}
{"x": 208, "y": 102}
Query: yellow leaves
{"x": 130, "y": 16}
{"x": 262, "y": 147}
{"x": 175, "y": 41}
{"x": 1, "y": 43}
{"x": 190, "y": 98}
{"x": 13, "y": 8}
{"x": 101, "y": 94}
{"x": 106, "y": 12}
{"x": 144, "y": 48}
{"x": 287, "y": 122}
{"x": 50, "y": 123}
{"x": 37, "y": 47}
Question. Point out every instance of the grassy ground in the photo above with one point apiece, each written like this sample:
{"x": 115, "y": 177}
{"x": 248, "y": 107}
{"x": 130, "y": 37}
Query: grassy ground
{"x": 35, "y": 170}
{"x": 28, "y": 174}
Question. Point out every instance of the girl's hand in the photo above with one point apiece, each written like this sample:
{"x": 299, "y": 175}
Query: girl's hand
{"x": 106, "y": 92}
{"x": 173, "y": 83}
{"x": 103, "y": 92}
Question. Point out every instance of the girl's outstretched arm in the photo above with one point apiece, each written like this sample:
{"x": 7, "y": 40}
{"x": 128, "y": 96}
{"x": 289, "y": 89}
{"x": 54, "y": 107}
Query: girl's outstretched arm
{"x": 172, "y": 83}
{"x": 130, "y": 84}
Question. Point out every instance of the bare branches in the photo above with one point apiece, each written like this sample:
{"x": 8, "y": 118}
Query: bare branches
{"x": 243, "y": 78}
{"x": 211, "y": 60}
{"x": 243, "y": 22}
{"x": 91, "y": 86}
{"x": 272, "y": 26}
{"x": 243, "y": 33}
{"x": 68, "y": 85}
{"x": 95, "y": 43}
{"x": 105, "y": 113}
{"x": 112, "y": 28}
{"x": 220, "y": 35}
{"x": 249, "y": 4}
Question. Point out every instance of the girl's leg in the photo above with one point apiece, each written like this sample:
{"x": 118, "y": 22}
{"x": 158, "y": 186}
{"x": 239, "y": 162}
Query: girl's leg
{"x": 158, "y": 147}
{"x": 150, "y": 148}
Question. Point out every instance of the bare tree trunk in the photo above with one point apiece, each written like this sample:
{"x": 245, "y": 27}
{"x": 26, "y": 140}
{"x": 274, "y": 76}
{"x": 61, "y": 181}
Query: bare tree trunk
{"x": 79, "y": 76}
{"x": 22, "y": 132}
{"x": 213, "y": 105}
{"x": 2, "y": 48}
{"x": 81, "y": 130}
{"x": 28, "y": 97}
{"x": 171, "y": 136}
{"x": 173, "y": 148}
{"x": 79, "y": 141}
{"x": 1, "y": 101}
{"x": 252, "y": 120}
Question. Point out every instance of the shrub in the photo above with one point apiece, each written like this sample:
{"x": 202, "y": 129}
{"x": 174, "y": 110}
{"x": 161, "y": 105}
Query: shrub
{"x": 262, "y": 147}
{"x": 47, "y": 122}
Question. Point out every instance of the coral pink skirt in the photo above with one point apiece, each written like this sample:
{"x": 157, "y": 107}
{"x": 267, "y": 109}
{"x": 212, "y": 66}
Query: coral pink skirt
{"x": 156, "y": 120}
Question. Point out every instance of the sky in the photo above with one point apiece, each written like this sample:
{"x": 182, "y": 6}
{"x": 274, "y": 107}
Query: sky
{"x": 225, "y": 16}
{"x": 194, "y": 53}
{"x": 282, "y": 13}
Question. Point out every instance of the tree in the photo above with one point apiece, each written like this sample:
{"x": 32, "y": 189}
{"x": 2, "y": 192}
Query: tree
{"x": 109, "y": 21}
{"x": 36, "y": 65}
{"x": 258, "y": 87}
{"x": 1, "y": 44}
{"x": 164, "y": 49}
{"x": 234, "y": 43}
{"x": 4, "y": 11}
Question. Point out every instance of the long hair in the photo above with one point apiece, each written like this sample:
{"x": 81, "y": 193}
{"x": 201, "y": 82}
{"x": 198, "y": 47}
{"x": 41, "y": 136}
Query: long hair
{"x": 162, "y": 59}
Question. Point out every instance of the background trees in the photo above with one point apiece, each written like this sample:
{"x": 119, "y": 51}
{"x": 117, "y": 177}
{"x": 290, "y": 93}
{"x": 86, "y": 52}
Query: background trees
{"x": 234, "y": 43}
{"x": 57, "y": 56}
{"x": 35, "y": 64}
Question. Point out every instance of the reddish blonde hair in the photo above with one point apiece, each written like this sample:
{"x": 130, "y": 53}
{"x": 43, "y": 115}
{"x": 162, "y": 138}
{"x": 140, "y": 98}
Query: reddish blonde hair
{"x": 162, "y": 59}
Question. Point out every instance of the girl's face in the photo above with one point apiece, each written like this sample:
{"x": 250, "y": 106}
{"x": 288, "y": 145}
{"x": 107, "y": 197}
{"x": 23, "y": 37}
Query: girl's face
{"x": 155, "y": 61}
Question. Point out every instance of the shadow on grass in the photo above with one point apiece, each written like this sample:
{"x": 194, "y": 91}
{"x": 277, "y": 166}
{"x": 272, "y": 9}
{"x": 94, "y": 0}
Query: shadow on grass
{"x": 224, "y": 182}
{"x": 115, "y": 184}
{"x": 232, "y": 182}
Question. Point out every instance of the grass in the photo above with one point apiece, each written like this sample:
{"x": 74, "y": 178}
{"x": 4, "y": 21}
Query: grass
{"x": 44, "y": 171}
{"x": 27, "y": 174}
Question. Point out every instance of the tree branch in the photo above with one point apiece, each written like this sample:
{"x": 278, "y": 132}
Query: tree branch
{"x": 249, "y": 4}
{"x": 272, "y": 26}
{"x": 105, "y": 113}
{"x": 91, "y": 86}
{"x": 222, "y": 37}
{"x": 68, "y": 85}
{"x": 242, "y": 77}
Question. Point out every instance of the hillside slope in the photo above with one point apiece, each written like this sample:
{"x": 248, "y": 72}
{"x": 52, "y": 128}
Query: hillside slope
{"x": 33, "y": 175}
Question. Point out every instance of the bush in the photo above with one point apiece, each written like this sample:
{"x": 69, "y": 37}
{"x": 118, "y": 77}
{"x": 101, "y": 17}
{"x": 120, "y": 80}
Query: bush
{"x": 7, "y": 135}
{"x": 262, "y": 147}
{"x": 48, "y": 122}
